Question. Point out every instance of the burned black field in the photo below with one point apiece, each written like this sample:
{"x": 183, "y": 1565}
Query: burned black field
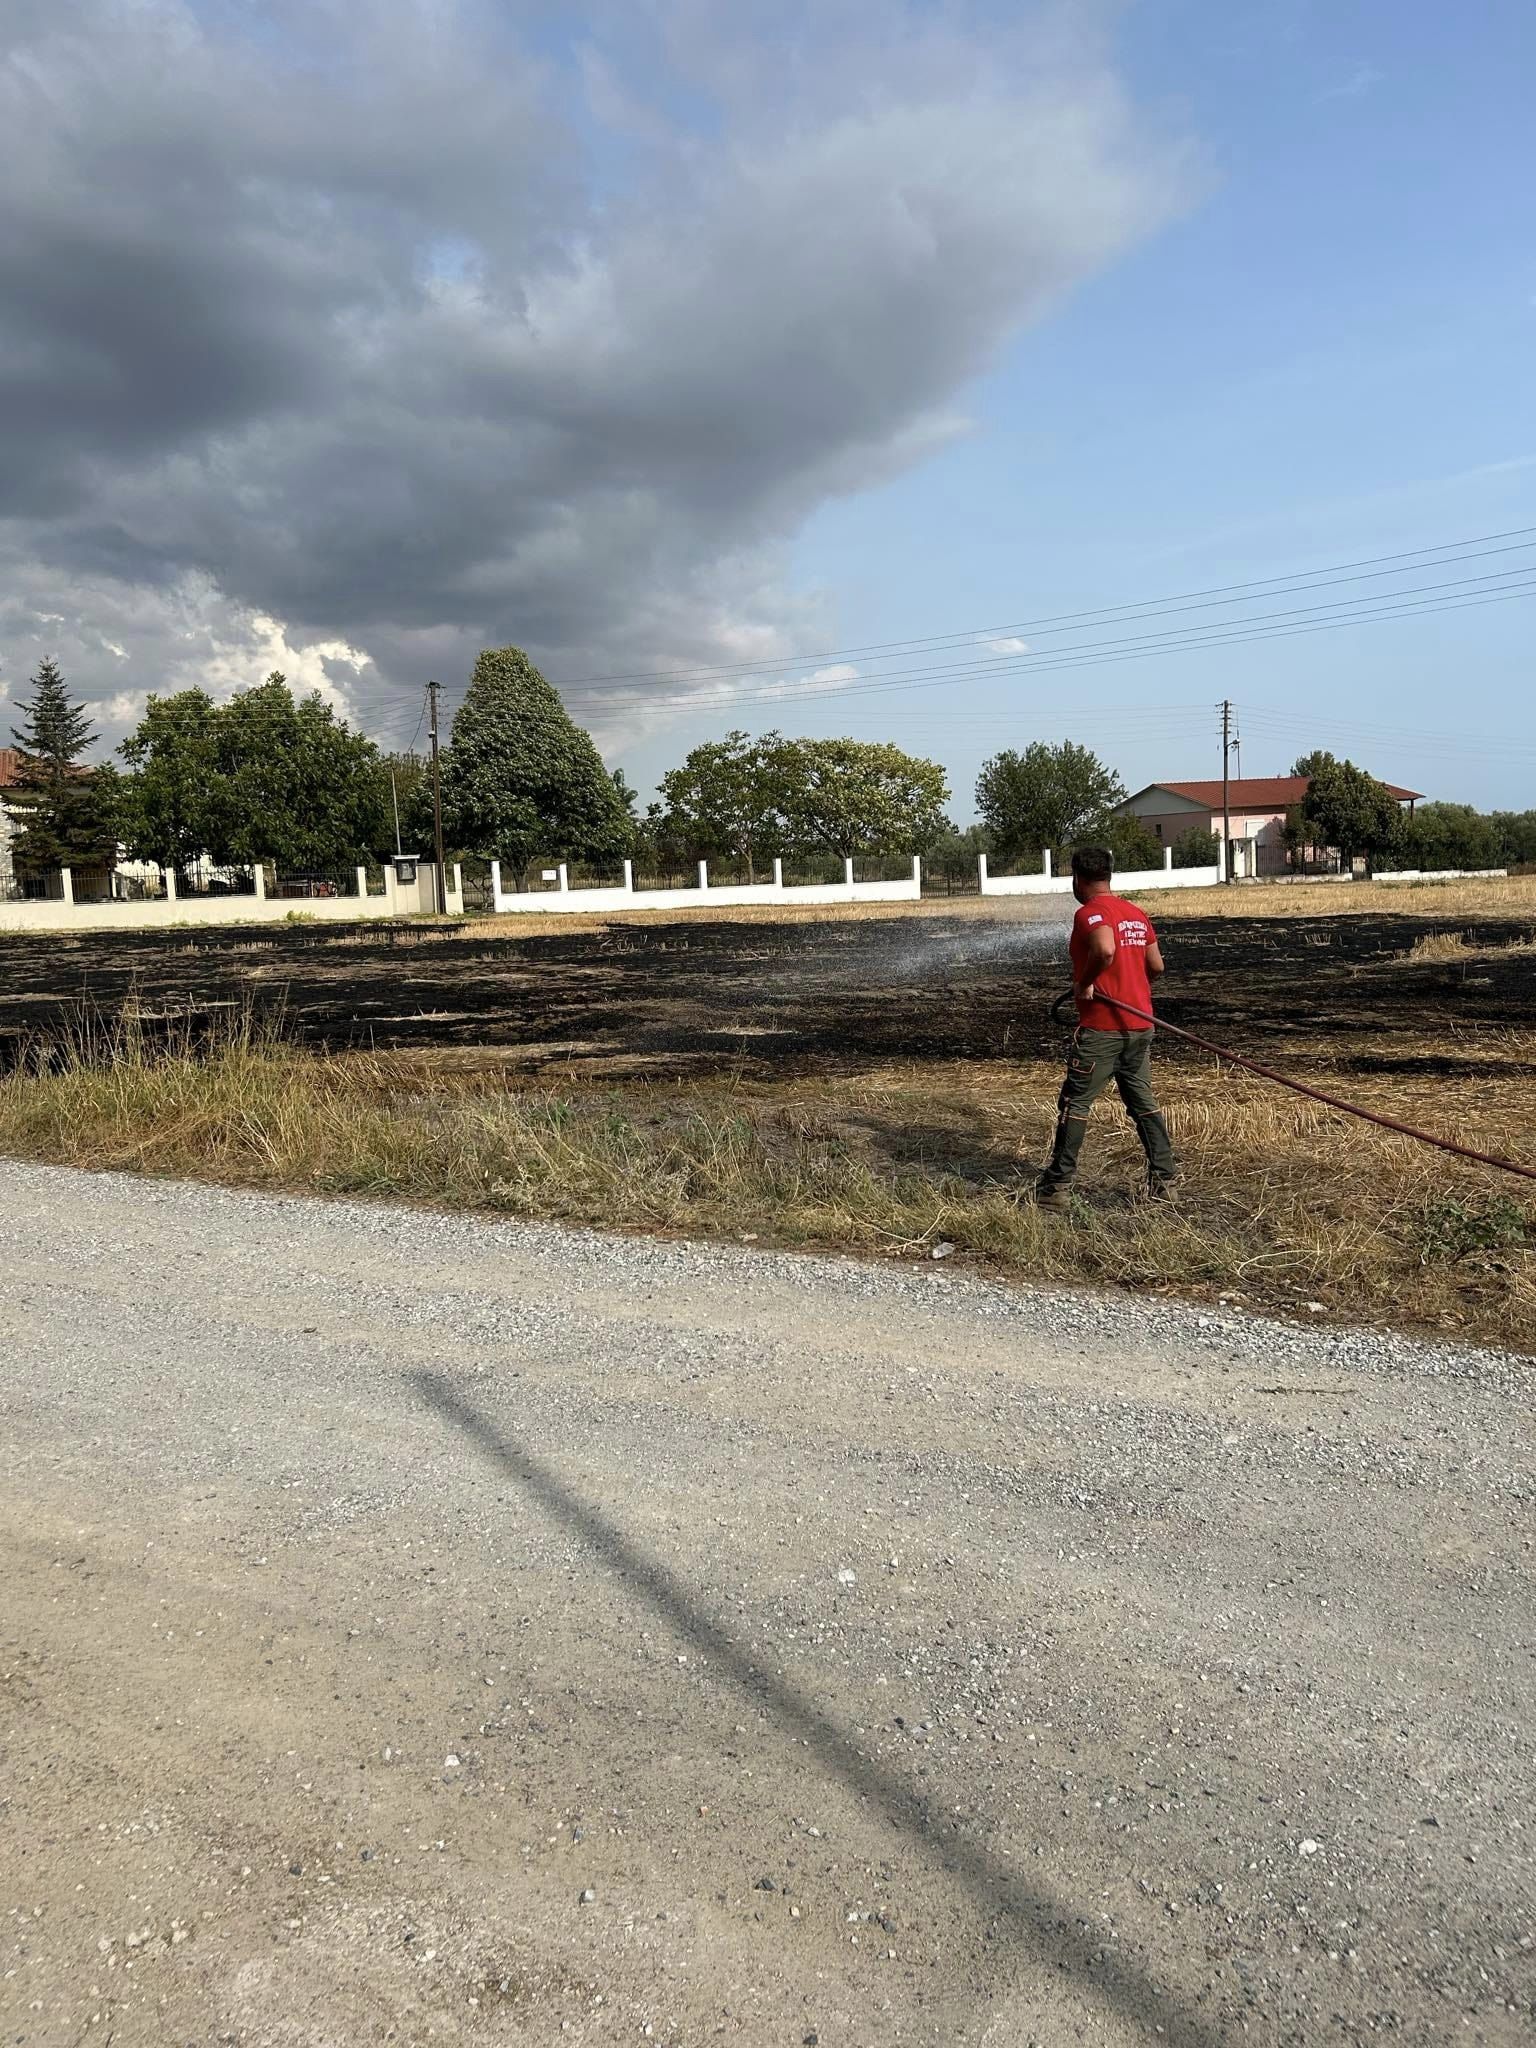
{"x": 766, "y": 999}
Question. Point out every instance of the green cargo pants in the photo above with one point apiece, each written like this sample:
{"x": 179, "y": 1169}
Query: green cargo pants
{"x": 1096, "y": 1059}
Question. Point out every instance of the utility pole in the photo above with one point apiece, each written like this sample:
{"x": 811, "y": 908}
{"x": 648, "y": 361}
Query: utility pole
{"x": 394, "y": 797}
{"x": 437, "y": 809}
{"x": 1226, "y": 788}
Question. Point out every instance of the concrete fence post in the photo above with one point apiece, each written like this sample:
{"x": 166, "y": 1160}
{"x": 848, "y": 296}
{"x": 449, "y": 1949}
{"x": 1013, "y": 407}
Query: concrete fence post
{"x": 1045, "y": 862}
{"x": 1167, "y": 860}
{"x": 917, "y": 873}
{"x": 170, "y": 884}
{"x": 629, "y": 878}
{"x": 259, "y": 880}
{"x": 848, "y": 874}
{"x": 362, "y": 884}
{"x": 495, "y": 885}
{"x": 981, "y": 871}
{"x": 1221, "y": 859}
{"x": 703, "y": 874}
{"x": 778, "y": 871}
{"x": 67, "y": 884}
{"x": 563, "y": 874}
{"x": 458, "y": 883}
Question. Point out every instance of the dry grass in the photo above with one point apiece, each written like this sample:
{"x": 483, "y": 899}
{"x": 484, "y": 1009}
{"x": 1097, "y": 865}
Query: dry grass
{"x": 1286, "y": 1206}
{"x": 1513, "y": 896}
{"x": 1455, "y": 947}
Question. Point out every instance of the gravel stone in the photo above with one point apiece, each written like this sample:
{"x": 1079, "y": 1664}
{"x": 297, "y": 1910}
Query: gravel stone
{"x": 1184, "y": 1695}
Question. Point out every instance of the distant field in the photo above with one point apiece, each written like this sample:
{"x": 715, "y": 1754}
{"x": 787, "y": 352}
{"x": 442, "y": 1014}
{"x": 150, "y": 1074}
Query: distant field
{"x": 882, "y": 1081}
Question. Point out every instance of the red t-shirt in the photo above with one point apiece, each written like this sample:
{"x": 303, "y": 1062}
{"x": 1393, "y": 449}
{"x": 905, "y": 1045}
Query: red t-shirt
{"x": 1126, "y": 975}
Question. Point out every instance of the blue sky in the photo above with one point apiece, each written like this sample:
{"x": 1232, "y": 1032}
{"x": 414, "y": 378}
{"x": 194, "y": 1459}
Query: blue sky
{"x": 1327, "y": 356}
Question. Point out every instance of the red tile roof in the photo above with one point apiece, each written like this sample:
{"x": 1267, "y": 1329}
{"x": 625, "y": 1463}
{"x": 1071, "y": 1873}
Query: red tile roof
{"x": 1258, "y": 792}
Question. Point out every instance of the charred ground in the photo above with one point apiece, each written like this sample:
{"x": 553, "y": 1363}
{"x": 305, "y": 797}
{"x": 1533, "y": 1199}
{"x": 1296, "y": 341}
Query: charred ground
{"x": 696, "y": 997}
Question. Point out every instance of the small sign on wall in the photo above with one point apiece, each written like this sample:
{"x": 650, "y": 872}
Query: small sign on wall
{"x": 551, "y": 874}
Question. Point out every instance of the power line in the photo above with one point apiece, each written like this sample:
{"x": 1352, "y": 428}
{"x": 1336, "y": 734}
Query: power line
{"x": 1232, "y": 633}
{"x": 1305, "y": 579}
{"x": 1016, "y": 663}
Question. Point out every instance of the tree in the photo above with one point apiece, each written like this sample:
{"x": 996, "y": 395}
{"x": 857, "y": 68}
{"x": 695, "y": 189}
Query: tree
{"x": 408, "y": 789}
{"x": 1047, "y": 797}
{"x": 859, "y": 796}
{"x": 627, "y": 795}
{"x": 1136, "y": 849}
{"x": 1197, "y": 848}
{"x": 263, "y": 777}
{"x": 1314, "y": 763}
{"x": 724, "y": 798}
{"x": 303, "y": 789}
{"x": 67, "y": 818}
{"x": 1448, "y": 836}
{"x": 1348, "y": 809}
{"x": 660, "y": 846}
{"x": 175, "y": 796}
{"x": 954, "y": 856}
{"x": 1516, "y": 832}
{"x": 520, "y": 780}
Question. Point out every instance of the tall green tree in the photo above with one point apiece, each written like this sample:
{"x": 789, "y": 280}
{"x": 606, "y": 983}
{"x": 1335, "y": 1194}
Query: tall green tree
{"x": 1046, "y": 798}
{"x": 304, "y": 790}
{"x": 67, "y": 811}
{"x": 724, "y": 799}
{"x": 176, "y": 796}
{"x": 1348, "y": 809}
{"x": 521, "y": 781}
{"x": 849, "y": 797}
{"x": 263, "y": 777}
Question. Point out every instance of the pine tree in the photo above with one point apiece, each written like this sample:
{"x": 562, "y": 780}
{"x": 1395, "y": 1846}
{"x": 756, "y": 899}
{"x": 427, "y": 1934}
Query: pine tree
{"x": 520, "y": 780}
{"x": 64, "y": 820}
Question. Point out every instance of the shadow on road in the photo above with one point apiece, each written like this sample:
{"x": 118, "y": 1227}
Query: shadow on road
{"x": 1032, "y": 1919}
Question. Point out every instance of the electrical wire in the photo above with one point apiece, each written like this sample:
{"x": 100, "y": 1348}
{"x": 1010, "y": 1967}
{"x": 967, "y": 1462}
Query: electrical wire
{"x": 1184, "y": 637}
{"x": 1216, "y": 592}
{"x": 1101, "y": 656}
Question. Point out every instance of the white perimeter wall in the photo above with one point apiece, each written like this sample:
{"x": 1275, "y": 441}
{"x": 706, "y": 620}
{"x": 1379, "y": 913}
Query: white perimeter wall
{"x": 564, "y": 900}
{"x": 1141, "y": 881}
{"x": 399, "y": 899}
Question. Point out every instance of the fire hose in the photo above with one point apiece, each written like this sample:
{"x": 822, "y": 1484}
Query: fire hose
{"x": 1369, "y": 1116}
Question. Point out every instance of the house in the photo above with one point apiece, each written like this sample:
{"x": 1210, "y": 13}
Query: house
{"x": 1257, "y": 806}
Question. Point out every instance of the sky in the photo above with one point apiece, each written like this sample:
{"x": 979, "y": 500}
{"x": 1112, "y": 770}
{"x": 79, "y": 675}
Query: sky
{"x": 1124, "y": 358}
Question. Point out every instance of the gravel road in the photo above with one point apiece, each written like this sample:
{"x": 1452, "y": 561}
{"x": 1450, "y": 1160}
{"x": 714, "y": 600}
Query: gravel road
{"x": 420, "y": 1630}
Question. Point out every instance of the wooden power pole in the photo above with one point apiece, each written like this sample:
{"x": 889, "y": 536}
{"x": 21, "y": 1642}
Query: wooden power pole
{"x": 439, "y": 862}
{"x": 1226, "y": 789}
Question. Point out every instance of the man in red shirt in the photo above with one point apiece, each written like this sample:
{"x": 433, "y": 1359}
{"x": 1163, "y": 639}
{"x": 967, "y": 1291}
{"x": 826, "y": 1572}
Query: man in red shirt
{"x": 1115, "y": 958}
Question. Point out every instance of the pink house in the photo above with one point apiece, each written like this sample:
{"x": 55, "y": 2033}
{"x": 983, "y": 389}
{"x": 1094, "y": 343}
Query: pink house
{"x": 1257, "y": 806}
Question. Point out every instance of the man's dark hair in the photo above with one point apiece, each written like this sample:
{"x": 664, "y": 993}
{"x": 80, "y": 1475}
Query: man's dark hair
{"x": 1093, "y": 864}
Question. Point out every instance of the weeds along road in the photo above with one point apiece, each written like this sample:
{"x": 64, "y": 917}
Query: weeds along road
{"x": 418, "y": 1630}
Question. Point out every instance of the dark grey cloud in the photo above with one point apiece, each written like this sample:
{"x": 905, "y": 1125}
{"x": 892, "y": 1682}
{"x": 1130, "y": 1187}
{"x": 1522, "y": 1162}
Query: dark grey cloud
{"x": 371, "y": 329}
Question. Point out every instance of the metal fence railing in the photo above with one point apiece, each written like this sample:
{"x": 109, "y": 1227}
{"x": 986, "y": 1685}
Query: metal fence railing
{"x": 32, "y": 887}
{"x": 203, "y": 879}
{"x": 882, "y": 867}
{"x": 308, "y": 885}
